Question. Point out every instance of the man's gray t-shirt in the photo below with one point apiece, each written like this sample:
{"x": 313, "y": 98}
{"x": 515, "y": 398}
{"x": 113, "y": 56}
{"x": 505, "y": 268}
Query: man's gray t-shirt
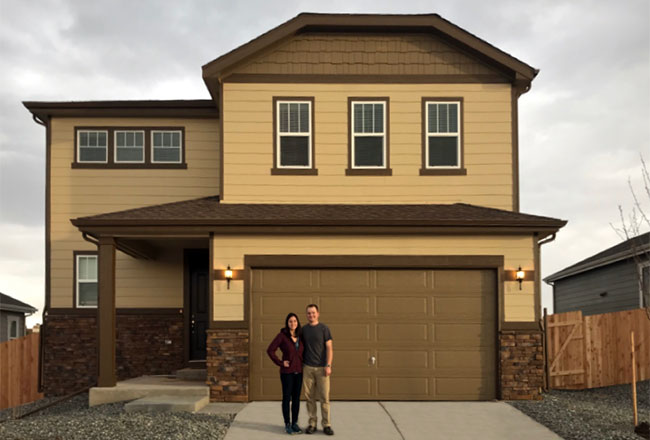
{"x": 314, "y": 337}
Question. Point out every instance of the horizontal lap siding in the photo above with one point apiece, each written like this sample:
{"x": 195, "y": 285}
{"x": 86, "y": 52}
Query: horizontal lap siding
{"x": 248, "y": 153}
{"x": 517, "y": 251}
{"x": 582, "y": 291}
{"x": 82, "y": 192}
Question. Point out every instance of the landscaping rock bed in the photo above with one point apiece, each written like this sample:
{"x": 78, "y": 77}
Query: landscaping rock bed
{"x": 72, "y": 419}
{"x": 599, "y": 413}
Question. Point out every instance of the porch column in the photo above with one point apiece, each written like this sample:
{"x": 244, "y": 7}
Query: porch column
{"x": 106, "y": 312}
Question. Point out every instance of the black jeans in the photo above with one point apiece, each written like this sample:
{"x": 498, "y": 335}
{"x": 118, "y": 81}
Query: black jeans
{"x": 291, "y": 387}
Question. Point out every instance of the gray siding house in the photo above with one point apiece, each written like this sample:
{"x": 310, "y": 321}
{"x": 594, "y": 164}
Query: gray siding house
{"x": 615, "y": 279}
{"x": 12, "y": 317}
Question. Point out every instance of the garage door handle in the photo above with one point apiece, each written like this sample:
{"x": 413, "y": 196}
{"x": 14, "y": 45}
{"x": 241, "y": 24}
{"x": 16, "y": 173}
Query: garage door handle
{"x": 372, "y": 360}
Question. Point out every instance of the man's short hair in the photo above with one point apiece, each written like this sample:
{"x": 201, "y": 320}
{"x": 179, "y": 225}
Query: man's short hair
{"x": 312, "y": 305}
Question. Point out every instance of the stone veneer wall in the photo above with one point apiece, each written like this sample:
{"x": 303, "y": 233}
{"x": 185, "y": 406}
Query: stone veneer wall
{"x": 227, "y": 364}
{"x": 70, "y": 349}
{"x": 521, "y": 364}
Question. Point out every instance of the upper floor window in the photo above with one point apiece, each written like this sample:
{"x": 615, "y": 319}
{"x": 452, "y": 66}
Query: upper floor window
{"x": 442, "y": 136}
{"x": 86, "y": 279}
{"x": 166, "y": 146}
{"x": 293, "y": 138}
{"x": 129, "y": 147}
{"x": 92, "y": 146}
{"x": 368, "y": 136}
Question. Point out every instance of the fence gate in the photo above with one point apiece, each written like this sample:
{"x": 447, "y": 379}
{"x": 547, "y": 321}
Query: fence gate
{"x": 566, "y": 357}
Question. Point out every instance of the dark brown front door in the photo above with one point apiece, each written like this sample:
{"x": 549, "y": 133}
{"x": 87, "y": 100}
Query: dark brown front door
{"x": 197, "y": 261}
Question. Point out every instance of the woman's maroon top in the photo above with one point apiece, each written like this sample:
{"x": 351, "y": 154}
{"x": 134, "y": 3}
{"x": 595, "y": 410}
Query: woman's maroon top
{"x": 289, "y": 353}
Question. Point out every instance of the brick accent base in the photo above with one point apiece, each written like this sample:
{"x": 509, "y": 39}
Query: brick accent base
{"x": 227, "y": 365}
{"x": 521, "y": 364}
{"x": 70, "y": 349}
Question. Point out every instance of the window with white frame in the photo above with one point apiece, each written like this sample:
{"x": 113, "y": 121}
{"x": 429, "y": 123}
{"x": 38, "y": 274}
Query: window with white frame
{"x": 92, "y": 146}
{"x": 86, "y": 271}
{"x": 129, "y": 146}
{"x": 14, "y": 327}
{"x": 368, "y": 143}
{"x": 166, "y": 146}
{"x": 294, "y": 134}
{"x": 443, "y": 128}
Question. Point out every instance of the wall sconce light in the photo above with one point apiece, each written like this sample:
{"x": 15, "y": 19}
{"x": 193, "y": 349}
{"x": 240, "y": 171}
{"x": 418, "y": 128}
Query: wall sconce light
{"x": 520, "y": 276}
{"x": 228, "y": 274}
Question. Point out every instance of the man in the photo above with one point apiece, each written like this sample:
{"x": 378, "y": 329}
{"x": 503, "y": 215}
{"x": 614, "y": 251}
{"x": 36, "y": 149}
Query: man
{"x": 316, "y": 369}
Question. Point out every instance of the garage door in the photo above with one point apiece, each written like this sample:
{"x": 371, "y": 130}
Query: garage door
{"x": 398, "y": 334}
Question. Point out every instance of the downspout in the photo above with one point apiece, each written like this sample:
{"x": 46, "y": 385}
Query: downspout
{"x": 547, "y": 378}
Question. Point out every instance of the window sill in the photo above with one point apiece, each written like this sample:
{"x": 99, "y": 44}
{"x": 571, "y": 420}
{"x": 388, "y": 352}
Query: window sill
{"x": 130, "y": 166}
{"x": 368, "y": 172}
{"x": 294, "y": 171}
{"x": 443, "y": 172}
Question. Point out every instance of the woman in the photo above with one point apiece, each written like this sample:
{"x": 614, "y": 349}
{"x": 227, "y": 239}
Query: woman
{"x": 289, "y": 341}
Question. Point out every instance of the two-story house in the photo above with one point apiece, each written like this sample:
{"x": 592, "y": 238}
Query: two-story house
{"x": 366, "y": 163}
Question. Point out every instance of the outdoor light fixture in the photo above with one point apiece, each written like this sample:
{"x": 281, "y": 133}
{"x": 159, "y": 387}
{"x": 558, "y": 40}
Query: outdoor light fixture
{"x": 228, "y": 276}
{"x": 520, "y": 276}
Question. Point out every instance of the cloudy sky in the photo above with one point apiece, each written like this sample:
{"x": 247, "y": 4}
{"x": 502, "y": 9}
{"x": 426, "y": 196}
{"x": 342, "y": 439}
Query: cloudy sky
{"x": 583, "y": 126}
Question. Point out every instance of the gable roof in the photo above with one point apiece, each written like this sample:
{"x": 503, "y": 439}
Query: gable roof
{"x": 430, "y": 23}
{"x": 208, "y": 211}
{"x": 622, "y": 251}
{"x": 10, "y": 304}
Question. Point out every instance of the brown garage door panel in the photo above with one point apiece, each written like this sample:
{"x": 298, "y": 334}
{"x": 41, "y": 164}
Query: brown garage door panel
{"x": 432, "y": 333}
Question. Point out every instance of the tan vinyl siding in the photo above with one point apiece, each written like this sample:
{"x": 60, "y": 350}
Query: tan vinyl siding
{"x": 83, "y": 192}
{"x": 248, "y": 138}
{"x": 364, "y": 54}
{"x": 519, "y": 305}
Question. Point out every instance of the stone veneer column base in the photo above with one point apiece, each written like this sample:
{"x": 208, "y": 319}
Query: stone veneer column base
{"x": 521, "y": 372}
{"x": 146, "y": 344}
{"x": 227, "y": 364}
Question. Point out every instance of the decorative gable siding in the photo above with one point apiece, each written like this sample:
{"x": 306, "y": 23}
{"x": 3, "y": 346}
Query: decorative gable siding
{"x": 365, "y": 54}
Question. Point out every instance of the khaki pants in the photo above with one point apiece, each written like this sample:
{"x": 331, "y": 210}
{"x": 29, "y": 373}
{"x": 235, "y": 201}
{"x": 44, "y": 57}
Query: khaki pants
{"x": 316, "y": 386}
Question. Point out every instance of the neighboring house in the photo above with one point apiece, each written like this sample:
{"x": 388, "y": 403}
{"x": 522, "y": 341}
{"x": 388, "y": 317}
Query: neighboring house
{"x": 12, "y": 317}
{"x": 368, "y": 163}
{"x": 615, "y": 279}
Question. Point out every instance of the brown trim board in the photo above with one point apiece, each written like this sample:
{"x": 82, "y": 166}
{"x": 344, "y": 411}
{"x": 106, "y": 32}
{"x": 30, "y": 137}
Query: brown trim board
{"x": 221, "y": 143}
{"x": 66, "y": 311}
{"x": 106, "y": 313}
{"x": 461, "y": 171}
{"x": 363, "y": 79}
{"x": 385, "y": 170}
{"x": 276, "y": 170}
{"x": 514, "y": 93}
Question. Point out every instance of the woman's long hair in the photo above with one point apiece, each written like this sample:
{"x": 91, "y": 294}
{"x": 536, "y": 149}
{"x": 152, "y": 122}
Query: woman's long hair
{"x": 286, "y": 330}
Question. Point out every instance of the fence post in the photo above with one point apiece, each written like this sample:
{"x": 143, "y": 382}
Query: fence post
{"x": 547, "y": 378}
{"x": 636, "y": 417}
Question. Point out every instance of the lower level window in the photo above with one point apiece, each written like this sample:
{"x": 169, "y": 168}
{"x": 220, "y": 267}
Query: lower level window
{"x": 86, "y": 288}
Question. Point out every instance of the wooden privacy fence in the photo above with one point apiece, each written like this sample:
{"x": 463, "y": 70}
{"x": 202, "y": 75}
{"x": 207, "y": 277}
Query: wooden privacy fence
{"x": 19, "y": 371}
{"x": 594, "y": 351}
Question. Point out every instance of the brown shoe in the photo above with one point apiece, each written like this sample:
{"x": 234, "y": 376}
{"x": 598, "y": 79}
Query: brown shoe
{"x": 328, "y": 430}
{"x": 310, "y": 429}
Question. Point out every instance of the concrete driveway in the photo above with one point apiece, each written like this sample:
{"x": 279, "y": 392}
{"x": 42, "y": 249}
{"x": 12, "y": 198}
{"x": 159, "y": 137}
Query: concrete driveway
{"x": 397, "y": 421}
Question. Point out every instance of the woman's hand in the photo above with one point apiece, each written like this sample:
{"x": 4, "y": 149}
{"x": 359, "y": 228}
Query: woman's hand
{"x": 286, "y": 364}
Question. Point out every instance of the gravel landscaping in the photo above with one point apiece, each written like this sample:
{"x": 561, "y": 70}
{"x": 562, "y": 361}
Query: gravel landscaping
{"x": 599, "y": 413}
{"x": 72, "y": 419}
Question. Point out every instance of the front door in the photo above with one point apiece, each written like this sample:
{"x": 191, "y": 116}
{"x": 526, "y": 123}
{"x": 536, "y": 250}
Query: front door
{"x": 197, "y": 263}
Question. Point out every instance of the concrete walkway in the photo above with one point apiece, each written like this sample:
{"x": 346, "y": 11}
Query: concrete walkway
{"x": 397, "y": 421}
